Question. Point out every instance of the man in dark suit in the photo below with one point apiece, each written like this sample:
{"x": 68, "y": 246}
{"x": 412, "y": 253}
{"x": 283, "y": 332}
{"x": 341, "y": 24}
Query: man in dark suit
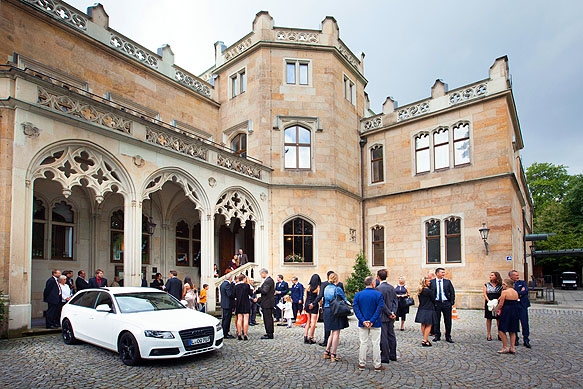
{"x": 323, "y": 286}
{"x": 444, "y": 296}
{"x": 81, "y": 281}
{"x": 227, "y": 290}
{"x": 267, "y": 302}
{"x": 521, "y": 287}
{"x": 281, "y": 289}
{"x": 174, "y": 285}
{"x": 98, "y": 281}
{"x": 242, "y": 257}
{"x": 52, "y": 296}
{"x": 388, "y": 338}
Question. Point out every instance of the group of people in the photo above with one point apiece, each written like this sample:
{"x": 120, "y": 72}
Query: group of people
{"x": 186, "y": 290}
{"x": 507, "y": 302}
{"x": 59, "y": 289}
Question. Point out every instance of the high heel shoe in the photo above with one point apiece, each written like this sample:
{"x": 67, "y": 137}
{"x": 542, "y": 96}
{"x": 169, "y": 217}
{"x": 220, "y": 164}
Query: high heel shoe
{"x": 239, "y": 337}
{"x": 504, "y": 351}
{"x": 426, "y": 344}
{"x": 311, "y": 341}
{"x": 334, "y": 358}
{"x": 306, "y": 340}
{"x": 512, "y": 350}
{"x": 245, "y": 337}
{"x": 327, "y": 354}
{"x": 489, "y": 338}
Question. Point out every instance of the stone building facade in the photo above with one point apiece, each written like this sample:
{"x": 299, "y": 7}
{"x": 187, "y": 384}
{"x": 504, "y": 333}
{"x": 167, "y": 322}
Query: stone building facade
{"x": 114, "y": 157}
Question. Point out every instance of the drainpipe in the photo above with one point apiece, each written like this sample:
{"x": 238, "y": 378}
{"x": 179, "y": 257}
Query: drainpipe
{"x": 362, "y": 178}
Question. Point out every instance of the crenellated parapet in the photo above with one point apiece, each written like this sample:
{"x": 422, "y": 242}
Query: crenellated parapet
{"x": 441, "y": 98}
{"x": 264, "y": 31}
{"x": 95, "y": 24}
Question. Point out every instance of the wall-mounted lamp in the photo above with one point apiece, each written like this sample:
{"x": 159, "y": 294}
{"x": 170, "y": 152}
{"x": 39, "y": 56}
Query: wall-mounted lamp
{"x": 151, "y": 226}
{"x": 484, "y": 231}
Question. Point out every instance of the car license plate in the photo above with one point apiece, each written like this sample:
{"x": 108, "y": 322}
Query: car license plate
{"x": 195, "y": 341}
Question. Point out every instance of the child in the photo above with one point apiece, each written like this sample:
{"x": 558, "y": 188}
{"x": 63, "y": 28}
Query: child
{"x": 202, "y": 297}
{"x": 288, "y": 313}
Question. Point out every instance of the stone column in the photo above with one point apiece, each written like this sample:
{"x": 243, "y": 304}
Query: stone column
{"x": 132, "y": 254}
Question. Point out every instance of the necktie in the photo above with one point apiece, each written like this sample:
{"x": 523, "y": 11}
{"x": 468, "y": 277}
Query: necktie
{"x": 439, "y": 291}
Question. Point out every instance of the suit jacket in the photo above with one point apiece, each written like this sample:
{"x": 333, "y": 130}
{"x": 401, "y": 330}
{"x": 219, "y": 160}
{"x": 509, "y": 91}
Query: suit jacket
{"x": 281, "y": 287}
{"x": 174, "y": 287}
{"x": 448, "y": 290}
{"x": 368, "y": 305}
{"x": 522, "y": 294}
{"x": 52, "y": 292}
{"x": 93, "y": 282}
{"x": 267, "y": 290}
{"x": 322, "y": 287}
{"x": 243, "y": 259}
{"x": 390, "y": 300}
{"x": 227, "y": 290}
{"x": 297, "y": 292}
{"x": 81, "y": 283}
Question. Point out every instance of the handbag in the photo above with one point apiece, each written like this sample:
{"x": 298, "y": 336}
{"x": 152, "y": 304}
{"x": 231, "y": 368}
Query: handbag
{"x": 409, "y": 301}
{"x": 339, "y": 307}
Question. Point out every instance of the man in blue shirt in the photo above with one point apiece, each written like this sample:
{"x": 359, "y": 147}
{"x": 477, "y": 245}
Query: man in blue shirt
{"x": 297, "y": 296}
{"x": 522, "y": 288}
{"x": 368, "y": 307}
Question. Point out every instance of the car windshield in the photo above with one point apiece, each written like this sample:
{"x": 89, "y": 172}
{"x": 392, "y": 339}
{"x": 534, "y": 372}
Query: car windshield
{"x": 143, "y": 302}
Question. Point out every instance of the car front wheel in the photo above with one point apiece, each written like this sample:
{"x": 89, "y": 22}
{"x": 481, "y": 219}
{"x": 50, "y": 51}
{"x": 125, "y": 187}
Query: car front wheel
{"x": 129, "y": 350}
{"x": 67, "y": 331}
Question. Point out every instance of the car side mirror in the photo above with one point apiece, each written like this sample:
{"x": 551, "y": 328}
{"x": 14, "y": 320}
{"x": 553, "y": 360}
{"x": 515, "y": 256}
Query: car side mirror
{"x": 103, "y": 308}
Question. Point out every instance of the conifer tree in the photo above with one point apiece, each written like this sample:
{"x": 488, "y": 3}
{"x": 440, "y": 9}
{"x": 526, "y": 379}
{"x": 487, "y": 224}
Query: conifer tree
{"x": 355, "y": 283}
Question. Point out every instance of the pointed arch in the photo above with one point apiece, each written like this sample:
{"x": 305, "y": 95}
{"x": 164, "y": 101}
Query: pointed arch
{"x": 81, "y": 164}
{"x": 192, "y": 188}
{"x": 240, "y": 204}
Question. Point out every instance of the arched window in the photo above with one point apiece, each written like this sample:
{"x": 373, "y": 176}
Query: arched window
{"x": 187, "y": 244}
{"x": 461, "y": 143}
{"x": 239, "y": 145}
{"x": 453, "y": 242}
{"x": 450, "y": 235}
{"x": 62, "y": 226}
{"x": 297, "y": 148}
{"x": 116, "y": 233}
{"x": 422, "y": 153}
{"x": 39, "y": 224}
{"x": 376, "y": 164}
{"x": 433, "y": 241}
{"x": 298, "y": 241}
{"x": 441, "y": 148}
{"x": 378, "y": 246}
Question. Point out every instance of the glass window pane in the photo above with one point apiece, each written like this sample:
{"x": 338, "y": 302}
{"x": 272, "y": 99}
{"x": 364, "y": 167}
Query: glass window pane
{"x": 308, "y": 249}
{"x": 290, "y": 157}
{"x": 433, "y": 251}
{"x": 182, "y": 248}
{"x": 62, "y": 242}
{"x": 291, "y": 135}
{"x": 422, "y": 161}
{"x": 422, "y": 141}
{"x": 304, "y": 158}
{"x": 453, "y": 226}
{"x": 461, "y": 132}
{"x": 288, "y": 245}
{"x": 116, "y": 246}
{"x": 38, "y": 240}
{"x": 454, "y": 250}
{"x": 145, "y": 249}
{"x": 377, "y": 153}
{"x": 433, "y": 229}
{"x": 377, "y": 171}
{"x": 441, "y": 156}
{"x": 298, "y": 245}
{"x": 117, "y": 220}
{"x": 234, "y": 86}
{"x": 243, "y": 82}
{"x": 304, "y": 74}
{"x": 288, "y": 228}
{"x": 440, "y": 137}
{"x": 307, "y": 228}
{"x": 378, "y": 255}
{"x": 462, "y": 152}
{"x": 291, "y": 73}
{"x": 298, "y": 226}
{"x": 38, "y": 210}
{"x": 62, "y": 212}
{"x": 303, "y": 135}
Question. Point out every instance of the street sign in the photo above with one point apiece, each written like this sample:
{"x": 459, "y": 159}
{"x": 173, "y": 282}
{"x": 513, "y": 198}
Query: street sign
{"x": 509, "y": 258}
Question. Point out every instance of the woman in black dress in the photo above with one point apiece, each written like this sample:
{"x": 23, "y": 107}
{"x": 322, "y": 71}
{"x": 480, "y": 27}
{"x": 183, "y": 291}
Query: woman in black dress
{"x": 509, "y": 313}
{"x": 242, "y": 306}
{"x": 402, "y": 294}
{"x": 312, "y": 309}
{"x": 426, "y": 310}
{"x": 492, "y": 291}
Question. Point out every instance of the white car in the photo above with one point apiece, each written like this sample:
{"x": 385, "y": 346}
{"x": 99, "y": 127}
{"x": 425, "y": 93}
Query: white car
{"x": 139, "y": 323}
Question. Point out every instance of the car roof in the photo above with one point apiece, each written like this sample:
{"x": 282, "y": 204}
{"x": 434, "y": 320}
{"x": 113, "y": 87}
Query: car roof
{"x": 127, "y": 289}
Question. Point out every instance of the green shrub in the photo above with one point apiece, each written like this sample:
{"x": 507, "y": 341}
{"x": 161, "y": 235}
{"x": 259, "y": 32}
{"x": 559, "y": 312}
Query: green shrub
{"x": 355, "y": 283}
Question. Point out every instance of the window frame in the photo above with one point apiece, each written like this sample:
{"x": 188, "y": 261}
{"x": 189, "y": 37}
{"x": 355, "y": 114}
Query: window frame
{"x": 349, "y": 87}
{"x": 238, "y": 83}
{"x": 297, "y": 146}
{"x": 287, "y": 255}
{"x": 431, "y": 152}
{"x": 193, "y": 242}
{"x": 377, "y": 246}
{"x": 240, "y": 151}
{"x": 298, "y": 65}
{"x": 43, "y": 223}
{"x": 446, "y": 239}
{"x": 377, "y": 161}
{"x": 70, "y": 228}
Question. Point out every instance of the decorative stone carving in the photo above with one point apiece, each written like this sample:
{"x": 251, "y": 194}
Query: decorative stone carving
{"x": 297, "y": 36}
{"x": 81, "y": 166}
{"x": 413, "y": 111}
{"x": 263, "y": 196}
{"x": 193, "y": 83}
{"x": 138, "y": 160}
{"x": 61, "y": 11}
{"x": 78, "y": 108}
{"x": 235, "y": 204}
{"x": 468, "y": 93}
{"x": 30, "y": 130}
{"x": 348, "y": 55}
{"x": 212, "y": 182}
{"x": 156, "y": 183}
{"x": 133, "y": 50}
{"x": 188, "y": 146}
{"x": 372, "y": 123}
{"x": 352, "y": 235}
{"x": 237, "y": 49}
{"x": 238, "y": 164}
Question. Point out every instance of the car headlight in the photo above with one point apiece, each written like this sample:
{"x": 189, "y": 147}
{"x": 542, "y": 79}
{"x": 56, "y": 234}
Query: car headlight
{"x": 159, "y": 334}
{"x": 219, "y": 327}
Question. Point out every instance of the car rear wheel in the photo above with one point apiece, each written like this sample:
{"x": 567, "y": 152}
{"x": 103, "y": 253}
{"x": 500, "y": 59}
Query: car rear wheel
{"x": 129, "y": 350}
{"x": 67, "y": 331}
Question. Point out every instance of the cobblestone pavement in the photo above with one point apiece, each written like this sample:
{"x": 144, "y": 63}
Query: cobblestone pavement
{"x": 555, "y": 360}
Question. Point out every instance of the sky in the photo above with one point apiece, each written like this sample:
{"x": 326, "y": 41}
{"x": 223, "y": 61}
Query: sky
{"x": 408, "y": 45}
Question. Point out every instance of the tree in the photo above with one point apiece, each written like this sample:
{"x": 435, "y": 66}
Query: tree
{"x": 355, "y": 283}
{"x": 547, "y": 183}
